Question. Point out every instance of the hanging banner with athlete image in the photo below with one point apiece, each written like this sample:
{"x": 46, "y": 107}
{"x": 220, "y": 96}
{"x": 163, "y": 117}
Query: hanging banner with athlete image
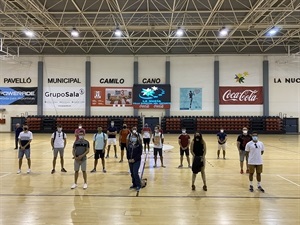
{"x": 111, "y": 96}
{"x": 18, "y": 95}
{"x": 65, "y": 99}
{"x": 190, "y": 98}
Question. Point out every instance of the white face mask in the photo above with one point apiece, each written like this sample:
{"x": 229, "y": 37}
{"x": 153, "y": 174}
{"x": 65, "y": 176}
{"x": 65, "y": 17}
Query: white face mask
{"x": 245, "y": 132}
{"x": 156, "y": 130}
{"x": 183, "y": 131}
{"x": 255, "y": 138}
{"x": 80, "y": 136}
{"x": 59, "y": 129}
{"x": 134, "y": 131}
{"x": 112, "y": 124}
{"x": 221, "y": 131}
{"x": 79, "y": 127}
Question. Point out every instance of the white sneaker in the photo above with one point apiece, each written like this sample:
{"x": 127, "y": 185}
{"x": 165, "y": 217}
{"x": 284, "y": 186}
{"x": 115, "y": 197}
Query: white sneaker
{"x": 85, "y": 186}
{"x": 29, "y": 171}
{"x": 19, "y": 171}
{"x": 74, "y": 186}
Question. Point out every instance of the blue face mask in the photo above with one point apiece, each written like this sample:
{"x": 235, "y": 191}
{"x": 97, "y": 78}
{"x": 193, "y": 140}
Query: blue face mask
{"x": 255, "y": 138}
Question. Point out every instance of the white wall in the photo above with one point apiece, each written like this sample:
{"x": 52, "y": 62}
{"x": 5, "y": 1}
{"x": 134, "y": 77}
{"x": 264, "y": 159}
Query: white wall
{"x": 231, "y": 65}
{"x": 24, "y": 67}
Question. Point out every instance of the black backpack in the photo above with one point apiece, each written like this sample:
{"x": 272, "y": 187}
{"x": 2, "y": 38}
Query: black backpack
{"x": 55, "y": 135}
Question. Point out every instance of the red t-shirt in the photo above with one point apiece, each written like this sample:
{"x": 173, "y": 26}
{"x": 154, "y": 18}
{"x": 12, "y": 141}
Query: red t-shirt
{"x": 184, "y": 140}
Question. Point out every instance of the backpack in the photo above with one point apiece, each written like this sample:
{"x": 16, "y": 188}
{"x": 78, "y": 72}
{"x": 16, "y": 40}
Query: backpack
{"x": 102, "y": 134}
{"x": 55, "y": 135}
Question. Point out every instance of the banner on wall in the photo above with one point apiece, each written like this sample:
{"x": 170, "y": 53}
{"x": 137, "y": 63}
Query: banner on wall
{"x": 110, "y": 96}
{"x": 241, "y": 95}
{"x": 18, "y": 95}
{"x": 151, "y": 96}
{"x": 67, "y": 98}
{"x": 190, "y": 98}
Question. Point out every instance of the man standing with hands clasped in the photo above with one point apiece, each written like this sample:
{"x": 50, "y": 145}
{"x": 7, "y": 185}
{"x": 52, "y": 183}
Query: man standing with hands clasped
{"x": 184, "y": 143}
{"x": 58, "y": 143}
{"x": 255, "y": 148}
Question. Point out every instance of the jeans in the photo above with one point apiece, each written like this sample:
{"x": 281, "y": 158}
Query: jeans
{"x": 134, "y": 170}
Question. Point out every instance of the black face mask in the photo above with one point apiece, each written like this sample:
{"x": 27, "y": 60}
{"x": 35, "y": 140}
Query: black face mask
{"x": 25, "y": 128}
{"x": 124, "y": 127}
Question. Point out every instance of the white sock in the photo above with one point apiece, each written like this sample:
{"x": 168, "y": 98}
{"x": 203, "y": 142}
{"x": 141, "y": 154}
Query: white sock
{"x": 251, "y": 182}
{"x": 258, "y": 184}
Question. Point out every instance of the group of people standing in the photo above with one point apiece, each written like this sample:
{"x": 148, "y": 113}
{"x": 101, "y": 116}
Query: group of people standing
{"x": 134, "y": 143}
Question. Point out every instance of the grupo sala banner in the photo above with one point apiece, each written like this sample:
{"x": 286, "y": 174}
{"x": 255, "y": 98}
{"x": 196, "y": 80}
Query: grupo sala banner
{"x": 241, "y": 95}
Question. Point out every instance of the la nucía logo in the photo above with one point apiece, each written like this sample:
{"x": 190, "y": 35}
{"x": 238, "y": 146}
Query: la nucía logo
{"x": 240, "y": 77}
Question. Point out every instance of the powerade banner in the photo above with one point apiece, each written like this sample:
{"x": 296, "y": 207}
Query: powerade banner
{"x": 151, "y": 96}
{"x": 18, "y": 95}
{"x": 67, "y": 98}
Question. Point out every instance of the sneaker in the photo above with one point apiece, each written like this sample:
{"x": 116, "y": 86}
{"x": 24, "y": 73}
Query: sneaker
{"x": 132, "y": 187}
{"x": 19, "y": 171}
{"x": 93, "y": 170}
{"x": 53, "y": 171}
{"x": 63, "y": 170}
{"x": 193, "y": 187}
{"x": 163, "y": 166}
{"x": 251, "y": 188}
{"x": 190, "y": 166}
{"x": 218, "y": 157}
{"x": 180, "y": 166}
{"x": 224, "y": 158}
{"x": 120, "y": 161}
{"x": 247, "y": 171}
{"x": 107, "y": 156}
{"x": 242, "y": 171}
{"x": 154, "y": 166}
{"x": 85, "y": 186}
{"x": 138, "y": 188}
{"x": 74, "y": 186}
{"x": 261, "y": 189}
{"x": 116, "y": 156}
{"x": 104, "y": 170}
{"x": 29, "y": 171}
{"x": 204, "y": 187}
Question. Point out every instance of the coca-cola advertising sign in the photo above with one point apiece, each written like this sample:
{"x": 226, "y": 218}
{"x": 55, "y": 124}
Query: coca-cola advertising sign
{"x": 241, "y": 95}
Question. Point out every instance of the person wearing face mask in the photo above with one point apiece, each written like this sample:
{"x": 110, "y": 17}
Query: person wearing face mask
{"x": 242, "y": 140}
{"x": 198, "y": 150}
{"x": 25, "y": 138}
{"x": 18, "y": 130}
{"x": 122, "y": 140}
{"x": 134, "y": 155}
{"x": 79, "y": 129}
{"x": 112, "y": 138}
{"x": 99, "y": 144}
{"x": 222, "y": 138}
{"x": 58, "y": 143}
{"x": 146, "y": 133}
{"x": 256, "y": 149}
{"x": 81, "y": 148}
{"x": 158, "y": 141}
{"x": 184, "y": 143}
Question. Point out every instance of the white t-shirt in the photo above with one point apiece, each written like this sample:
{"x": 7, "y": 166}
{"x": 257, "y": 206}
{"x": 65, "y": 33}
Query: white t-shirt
{"x": 157, "y": 137}
{"x": 25, "y": 137}
{"x": 146, "y": 132}
{"x": 255, "y": 149}
{"x": 59, "y": 141}
{"x": 99, "y": 140}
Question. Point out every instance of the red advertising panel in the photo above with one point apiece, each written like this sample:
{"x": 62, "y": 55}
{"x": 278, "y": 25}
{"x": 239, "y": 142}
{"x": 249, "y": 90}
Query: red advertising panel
{"x": 240, "y": 95}
{"x": 111, "y": 96}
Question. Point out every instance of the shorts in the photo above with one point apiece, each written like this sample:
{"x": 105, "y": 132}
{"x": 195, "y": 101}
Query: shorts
{"x": 78, "y": 164}
{"x": 198, "y": 164}
{"x": 243, "y": 155}
{"x": 25, "y": 152}
{"x": 186, "y": 151}
{"x": 146, "y": 141}
{"x": 157, "y": 150}
{"x": 123, "y": 146}
{"x": 222, "y": 146}
{"x": 99, "y": 154}
{"x": 112, "y": 141}
{"x": 60, "y": 150}
{"x": 257, "y": 168}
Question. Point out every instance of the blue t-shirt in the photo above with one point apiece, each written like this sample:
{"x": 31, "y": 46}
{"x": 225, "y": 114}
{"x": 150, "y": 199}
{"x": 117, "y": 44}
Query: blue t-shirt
{"x": 99, "y": 140}
{"x": 112, "y": 129}
{"x": 222, "y": 137}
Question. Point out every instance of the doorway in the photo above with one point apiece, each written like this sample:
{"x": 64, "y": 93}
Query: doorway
{"x": 152, "y": 122}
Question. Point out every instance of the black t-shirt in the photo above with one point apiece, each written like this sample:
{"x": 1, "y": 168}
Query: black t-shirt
{"x": 112, "y": 129}
{"x": 198, "y": 148}
{"x": 243, "y": 139}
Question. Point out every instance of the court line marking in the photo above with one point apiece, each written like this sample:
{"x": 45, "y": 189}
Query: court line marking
{"x": 288, "y": 180}
{"x": 4, "y": 175}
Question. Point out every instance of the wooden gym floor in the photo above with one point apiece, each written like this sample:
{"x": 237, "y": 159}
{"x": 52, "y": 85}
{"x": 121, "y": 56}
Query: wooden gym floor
{"x": 43, "y": 198}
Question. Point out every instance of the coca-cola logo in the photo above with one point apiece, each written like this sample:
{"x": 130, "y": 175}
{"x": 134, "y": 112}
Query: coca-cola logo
{"x": 241, "y": 95}
{"x": 246, "y": 95}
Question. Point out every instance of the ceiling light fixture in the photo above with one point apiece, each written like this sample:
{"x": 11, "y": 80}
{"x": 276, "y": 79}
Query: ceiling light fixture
{"x": 223, "y": 32}
{"x": 74, "y": 33}
{"x": 118, "y": 32}
{"x": 29, "y": 33}
{"x": 273, "y": 31}
{"x": 179, "y": 32}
